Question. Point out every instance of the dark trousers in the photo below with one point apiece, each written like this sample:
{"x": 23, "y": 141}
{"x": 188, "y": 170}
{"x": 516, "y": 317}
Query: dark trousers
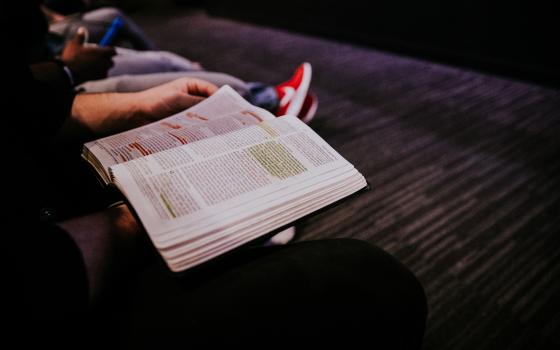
{"x": 326, "y": 292}
{"x": 342, "y": 291}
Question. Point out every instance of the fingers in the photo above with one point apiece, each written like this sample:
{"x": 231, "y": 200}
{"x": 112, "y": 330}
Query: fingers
{"x": 183, "y": 101}
{"x": 197, "y": 87}
{"x": 192, "y": 100}
{"x": 81, "y": 36}
{"x": 170, "y": 98}
{"x": 107, "y": 51}
{"x": 81, "y": 39}
{"x": 196, "y": 91}
{"x": 105, "y": 63}
{"x": 101, "y": 59}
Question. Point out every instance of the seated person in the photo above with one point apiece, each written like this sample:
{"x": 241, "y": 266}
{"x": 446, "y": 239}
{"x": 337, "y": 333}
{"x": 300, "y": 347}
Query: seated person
{"x": 65, "y": 17}
{"x": 81, "y": 62}
{"x": 133, "y": 70}
{"x": 93, "y": 277}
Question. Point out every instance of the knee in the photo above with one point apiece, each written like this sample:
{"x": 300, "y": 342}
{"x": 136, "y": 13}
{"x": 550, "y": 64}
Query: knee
{"x": 108, "y": 13}
{"x": 373, "y": 263}
{"x": 384, "y": 294}
{"x": 393, "y": 281}
{"x": 355, "y": 261}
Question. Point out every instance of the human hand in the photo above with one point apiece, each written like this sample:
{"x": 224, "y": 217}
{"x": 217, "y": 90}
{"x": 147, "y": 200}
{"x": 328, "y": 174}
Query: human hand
{"x": 87, "y": 62}
{"x": 123, "y": 222}
{"x": 170, "y": 98}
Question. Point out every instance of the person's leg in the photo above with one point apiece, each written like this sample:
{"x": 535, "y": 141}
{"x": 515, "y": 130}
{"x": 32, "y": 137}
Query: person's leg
{"x": 133, "y": 83}
{"x": 326, "y": 292}
{"x": 261, "y": 95}
{"x": 128, "y": 61}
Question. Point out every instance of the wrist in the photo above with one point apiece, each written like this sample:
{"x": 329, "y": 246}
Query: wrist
{"x": 132, "y": 109}
{"x": 141, "y": 105}
{"x": 107, "y": 113}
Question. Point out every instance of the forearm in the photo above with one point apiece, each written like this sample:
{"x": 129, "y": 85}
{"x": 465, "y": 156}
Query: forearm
{"x": 108, "y": 113}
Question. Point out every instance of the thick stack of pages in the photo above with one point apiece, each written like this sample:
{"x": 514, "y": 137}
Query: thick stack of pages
{"x": 221, "y": 174}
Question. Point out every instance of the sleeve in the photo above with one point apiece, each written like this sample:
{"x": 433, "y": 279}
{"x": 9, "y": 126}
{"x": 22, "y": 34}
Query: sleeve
{"x": 52, "y": 269}
{"x": 51, "y": 106}
{"x": 48, "y": 264}
{"x": 43, "y": 107}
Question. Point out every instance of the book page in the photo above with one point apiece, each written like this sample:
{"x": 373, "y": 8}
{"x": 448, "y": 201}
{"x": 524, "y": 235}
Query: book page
{"x": 271, "y": 212}
{"x": 223, "y": 112}
{"x": 201, "y": 182}
{"x": 209, "y": 246}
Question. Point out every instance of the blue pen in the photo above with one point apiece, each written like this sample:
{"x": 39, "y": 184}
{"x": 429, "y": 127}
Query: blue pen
{"x": 111, "y": 32}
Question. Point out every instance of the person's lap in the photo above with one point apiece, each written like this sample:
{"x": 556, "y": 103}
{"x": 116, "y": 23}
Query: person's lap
{"x": 321, "y": 291}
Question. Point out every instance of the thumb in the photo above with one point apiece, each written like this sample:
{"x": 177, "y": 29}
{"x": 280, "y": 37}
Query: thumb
{"x": 184, "y": 101}
{"x": 81, "y": 36}
{"x": 191, "y": 100}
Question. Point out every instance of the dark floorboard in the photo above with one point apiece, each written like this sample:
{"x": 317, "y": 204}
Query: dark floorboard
{"x": 464, "y": 169}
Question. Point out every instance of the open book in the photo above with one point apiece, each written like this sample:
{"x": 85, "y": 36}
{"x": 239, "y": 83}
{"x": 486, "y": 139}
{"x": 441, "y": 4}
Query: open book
{"x": 220, "y": 174}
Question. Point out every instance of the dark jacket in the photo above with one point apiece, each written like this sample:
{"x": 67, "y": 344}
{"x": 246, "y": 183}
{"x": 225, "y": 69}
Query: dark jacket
{"x": 47, "y": 261}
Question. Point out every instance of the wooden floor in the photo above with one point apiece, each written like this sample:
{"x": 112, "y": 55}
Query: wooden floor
{"x": 464, "y": 169}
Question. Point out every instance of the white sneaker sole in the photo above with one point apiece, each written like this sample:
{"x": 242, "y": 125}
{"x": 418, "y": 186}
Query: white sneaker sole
{"x": 311, "y": 112}
{"x": 301, "y": 92}
{"x": 282, "y": 237}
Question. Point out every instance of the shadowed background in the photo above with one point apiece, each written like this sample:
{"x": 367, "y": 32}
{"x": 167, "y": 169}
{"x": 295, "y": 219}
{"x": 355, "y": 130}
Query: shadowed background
{"x": 464, "y": 168}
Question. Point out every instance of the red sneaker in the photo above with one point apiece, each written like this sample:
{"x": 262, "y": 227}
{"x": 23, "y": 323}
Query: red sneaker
{"x": 293, "y": 92}
{"x": 308, "y": 108}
